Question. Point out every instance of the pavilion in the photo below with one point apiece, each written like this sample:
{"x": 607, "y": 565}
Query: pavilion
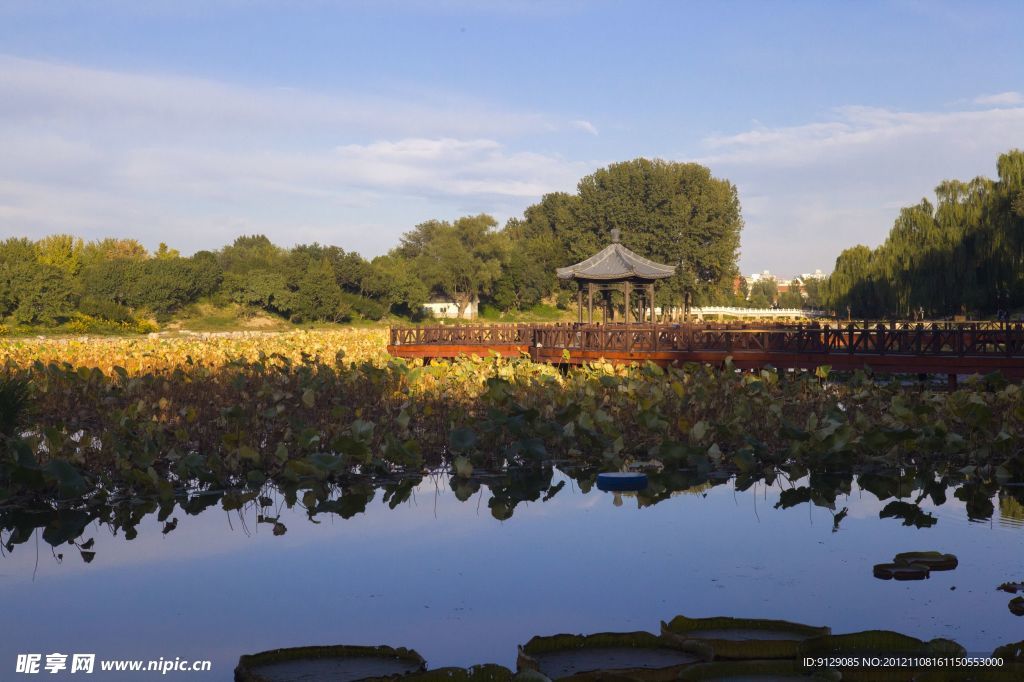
{"x": 616, "y": 268}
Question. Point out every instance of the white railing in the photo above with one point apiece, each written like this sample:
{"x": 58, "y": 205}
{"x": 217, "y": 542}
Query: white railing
{"x": 756, "y": 312}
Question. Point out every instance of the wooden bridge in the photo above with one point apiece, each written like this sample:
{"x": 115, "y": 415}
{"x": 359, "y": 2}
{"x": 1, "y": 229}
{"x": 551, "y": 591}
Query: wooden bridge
{"x": 949, "y": 348}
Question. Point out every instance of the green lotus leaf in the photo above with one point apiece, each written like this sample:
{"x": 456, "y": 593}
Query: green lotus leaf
{"x": 337, "y": 663}
{"x": 743, "y": 638}
{"x": 487, "y": 672}
{"x": 636, "y": 655}
{"x": 901, "y": 571}
{"x": 873, "y": 643}
{"x": 1010, "y": 652}
{"x": 462, "y": 439}
{"x": 935, "y": 561}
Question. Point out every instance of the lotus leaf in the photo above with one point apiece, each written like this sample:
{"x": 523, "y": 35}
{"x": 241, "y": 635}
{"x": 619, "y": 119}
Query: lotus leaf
{"x": 935, "y": 561}
{"x": 339, "y": 663}
{"x": 478, "y": 673}
{"x": 901, "y": 571}
{"x": 1010, "y": 652}
{"x": 743, "y": 638}
{"x": 636, "y": 655}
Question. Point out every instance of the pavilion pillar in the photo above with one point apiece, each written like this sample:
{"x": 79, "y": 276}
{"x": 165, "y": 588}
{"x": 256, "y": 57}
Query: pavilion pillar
{"x": 650, "y": 288}
{"x": 626, "y": 288}
{"x": 590, "y": 303}
{"x": 579, "y": 304}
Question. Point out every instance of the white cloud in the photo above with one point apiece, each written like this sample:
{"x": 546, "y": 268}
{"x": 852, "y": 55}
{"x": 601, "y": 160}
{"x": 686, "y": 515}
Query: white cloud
{"x": 74, "y": 95}
{"x": 196, "y": 162}
{"x": 585, "y": 126}
{"x": 1008, "y": 98}
{"x": 810, "y": 190}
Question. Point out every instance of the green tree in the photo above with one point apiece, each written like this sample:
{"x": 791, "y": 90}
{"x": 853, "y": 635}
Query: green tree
{"x": 33, "y": 292}
{"x": 675, "y": 213}
{"x": 765, "y": 292}
{"x": 255, "y": 252}
{"x": 264, "y": 289}
{"x": 391, "y": 282}
{"x": 113, "y": 249}
{"x": 61, "y": 251}
{"x": 791, "y": 299}
{"x": 964, "y": 252}
{"x": 461, "y": 260}
{"x": 163, "y": 251}
{"x": 318, "y": 296}
{"x": 44, "y": 295}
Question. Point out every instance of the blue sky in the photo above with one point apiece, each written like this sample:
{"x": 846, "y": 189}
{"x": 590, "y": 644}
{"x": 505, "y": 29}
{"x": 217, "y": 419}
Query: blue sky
{"x": 348, "y": 123}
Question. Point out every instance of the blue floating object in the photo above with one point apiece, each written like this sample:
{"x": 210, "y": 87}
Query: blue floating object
{"x": 621, "y": 480}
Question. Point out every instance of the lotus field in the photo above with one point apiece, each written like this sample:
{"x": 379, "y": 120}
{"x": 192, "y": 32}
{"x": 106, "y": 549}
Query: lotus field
{"x": 151, "y": 417}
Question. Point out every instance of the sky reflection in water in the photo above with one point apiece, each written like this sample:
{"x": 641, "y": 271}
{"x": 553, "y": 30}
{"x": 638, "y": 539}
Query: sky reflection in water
{"x": 461, "y": 587}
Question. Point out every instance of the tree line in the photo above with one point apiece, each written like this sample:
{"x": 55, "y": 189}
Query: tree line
{"x": 962, "y": 254}
{"x": 675, "y": 213}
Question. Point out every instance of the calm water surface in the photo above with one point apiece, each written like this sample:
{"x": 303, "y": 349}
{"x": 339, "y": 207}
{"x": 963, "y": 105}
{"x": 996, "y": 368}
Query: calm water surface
{"x": 448, "y": 579}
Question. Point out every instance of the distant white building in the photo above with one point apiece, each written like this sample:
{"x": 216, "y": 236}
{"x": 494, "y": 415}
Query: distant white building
{"x": 448, "y": 309}
{"x": 786, "y": 285}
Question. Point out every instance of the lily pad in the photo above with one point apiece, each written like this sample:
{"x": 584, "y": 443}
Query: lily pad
{"x": 1010, "y": 652}
{"x": 638, "y": 655}
{"x": 743, "y": 638}
{"x": 337, "y": 663}
{"x": 762, "y": 671}
{"x": 935, "y": 561}
{"x": 1016, "y": 606}
{"x": 488, "y": 672}
{"x": 901, "y": 571}
{"x": 1012, "y": 588}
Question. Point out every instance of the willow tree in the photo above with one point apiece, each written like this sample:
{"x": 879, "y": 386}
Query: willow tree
{"x": 965, "y": 252}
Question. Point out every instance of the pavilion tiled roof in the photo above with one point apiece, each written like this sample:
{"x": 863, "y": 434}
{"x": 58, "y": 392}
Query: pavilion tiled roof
{"x": 615, "y": 262}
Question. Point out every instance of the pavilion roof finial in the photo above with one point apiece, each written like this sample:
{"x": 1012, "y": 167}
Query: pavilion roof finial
{"x": 615, "y": 235}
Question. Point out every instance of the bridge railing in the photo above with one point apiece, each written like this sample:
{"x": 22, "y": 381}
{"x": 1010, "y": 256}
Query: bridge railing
{"x": 463, "y": 335}
{"x": 908, "y": 338}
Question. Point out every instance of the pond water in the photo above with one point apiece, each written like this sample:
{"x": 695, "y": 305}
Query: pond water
{"x": 449, "y": 579}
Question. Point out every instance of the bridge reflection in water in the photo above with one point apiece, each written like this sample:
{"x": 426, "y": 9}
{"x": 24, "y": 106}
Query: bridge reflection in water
{"x": 950, "y": 348}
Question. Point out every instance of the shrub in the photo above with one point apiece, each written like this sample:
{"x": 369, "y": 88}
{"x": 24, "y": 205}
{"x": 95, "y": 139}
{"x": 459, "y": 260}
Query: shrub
{"x": 87, "y": 324}
{"x": 105, "y": 310}
{"x": 364, "y": 307}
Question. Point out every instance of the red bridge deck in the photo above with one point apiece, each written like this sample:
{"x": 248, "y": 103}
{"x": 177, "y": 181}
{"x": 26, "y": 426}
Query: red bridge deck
{"x": 905, "y": 347}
